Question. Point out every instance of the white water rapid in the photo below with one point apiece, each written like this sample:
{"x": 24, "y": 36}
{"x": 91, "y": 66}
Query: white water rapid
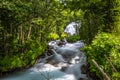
{"x": 72, "y": 28}
{"x": 65, "y": 62}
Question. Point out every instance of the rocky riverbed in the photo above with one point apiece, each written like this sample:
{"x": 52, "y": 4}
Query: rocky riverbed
{"x": 63, "y": 61}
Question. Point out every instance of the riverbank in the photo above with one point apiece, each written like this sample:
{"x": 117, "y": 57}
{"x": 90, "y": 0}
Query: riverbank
{"x": 75, "y": 60}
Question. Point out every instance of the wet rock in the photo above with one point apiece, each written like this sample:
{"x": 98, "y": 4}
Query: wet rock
{"x": 83, "y": 69}
{"x": 64, "y": 69}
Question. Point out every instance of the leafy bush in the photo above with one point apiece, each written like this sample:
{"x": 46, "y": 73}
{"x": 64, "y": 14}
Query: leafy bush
{"x": 63, "y": 35}
{"x": 53, "y": 36}
{"x": 104, "y": 46}
{"x": 10, "y": 62}
{"x": 73, "y": 38}
{"x": 26, "y": 59}
{"x": 116, "y": 76}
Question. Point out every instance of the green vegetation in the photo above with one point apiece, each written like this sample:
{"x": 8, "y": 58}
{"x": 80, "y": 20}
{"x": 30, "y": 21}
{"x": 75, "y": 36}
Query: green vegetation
{"x": 26, "y": 26}
{"x": 101, "y": 30}
{"x": 73, "y": 38}
{"x": 53, "y": 36}
{"x": 105, "y": 49}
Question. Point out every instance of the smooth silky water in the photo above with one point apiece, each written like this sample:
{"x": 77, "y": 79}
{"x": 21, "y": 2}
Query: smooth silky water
{"x": 64, "y": 64}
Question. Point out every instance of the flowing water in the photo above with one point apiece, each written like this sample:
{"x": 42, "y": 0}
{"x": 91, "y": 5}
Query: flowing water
{"x": 64, "y": 62}
{"x": 73, "y": 28}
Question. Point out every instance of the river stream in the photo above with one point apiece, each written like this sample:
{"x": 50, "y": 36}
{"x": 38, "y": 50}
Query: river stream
{"x": 63, "y": 61}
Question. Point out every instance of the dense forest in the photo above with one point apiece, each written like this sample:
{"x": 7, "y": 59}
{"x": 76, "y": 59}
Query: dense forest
{"x": 26, "y": 26}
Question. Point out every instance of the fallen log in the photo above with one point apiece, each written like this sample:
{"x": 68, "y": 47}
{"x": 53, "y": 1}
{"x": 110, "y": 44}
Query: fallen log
{"x": 101, "y": 70}
{"x": 115, "y": 70}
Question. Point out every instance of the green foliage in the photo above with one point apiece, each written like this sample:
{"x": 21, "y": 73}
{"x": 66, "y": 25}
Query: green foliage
{"x": 10, "y": 62}
{"x": 63, "y": 35}
{"x": 104, "y": 45}
{"x": 103, "y": 15}
{"x": 116, "y": 76}
{"x": 73, "y": 38}
{"x": 20, "y": 60}
{"x": 53, "y": 36}
{"x": 25, "y": 28}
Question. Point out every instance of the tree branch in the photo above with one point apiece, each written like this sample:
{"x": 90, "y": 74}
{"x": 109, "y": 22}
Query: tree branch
{"x": 101, "y": 70}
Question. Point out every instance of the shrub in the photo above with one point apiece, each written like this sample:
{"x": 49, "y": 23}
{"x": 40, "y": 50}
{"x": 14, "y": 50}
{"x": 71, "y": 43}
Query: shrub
{"x": 53, "y": 36}
{"x": 104, "y": 46}
{"x": 33, "y": 50}
{"x": 73, "y": 38}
